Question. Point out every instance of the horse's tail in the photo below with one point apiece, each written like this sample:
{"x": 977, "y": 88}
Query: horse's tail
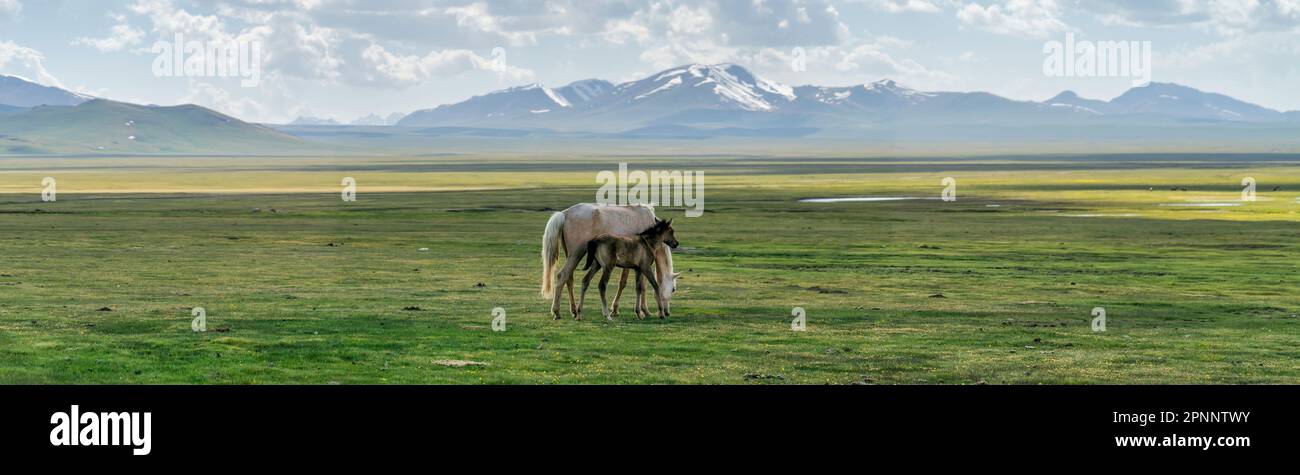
{"x": 552, "y": 239}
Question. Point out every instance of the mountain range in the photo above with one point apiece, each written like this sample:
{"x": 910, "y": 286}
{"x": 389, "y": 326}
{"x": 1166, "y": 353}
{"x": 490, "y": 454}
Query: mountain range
{"x": 367, "y": 120}
{"x": 692, "y": 101}
{"x": 728, "y": 95}
{"x": 313, "y": 120}
{"x": 377, "y": 120}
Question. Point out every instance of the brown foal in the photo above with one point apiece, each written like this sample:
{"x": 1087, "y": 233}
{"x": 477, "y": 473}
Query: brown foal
{"x": 606, "y": 252}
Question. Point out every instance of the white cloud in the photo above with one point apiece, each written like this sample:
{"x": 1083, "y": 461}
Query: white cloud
{"x": 899, "y": 6}
{"x": 10, "y": 8}
{"x": 860, "y": 61}
{"x": 1288, "y": 8}
{"x": 294, "y": 45}
{"x": 219, "y": 99}
{"x": 745, "y": 25}
{"x": 122, "y": 36}
{"x": 476, "y": 17}
{"x": 1231, "y": 16}
{"x": 674, "y": 53}
{"x": 275, "y": 101}
{"x": 299, "y": 49}
{"x": 1274, "y": 48}
{"x": 168, "y": 20}
{"x": 383, "y": 67}
{"x": 673, "y": 33}
{"x": 620, "y": 31}
{"x": 689, "y": 21}
{"x": 1221, "y": 17}
{"x": 1022, "y": 18}
{"x": 22, "y": 61}
{"x": 401, "y": 43}
{"x": 872, "y": 57}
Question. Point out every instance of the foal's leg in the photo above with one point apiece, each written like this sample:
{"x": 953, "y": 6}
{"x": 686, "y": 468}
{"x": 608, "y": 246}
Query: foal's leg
{"x": 641, "y": 311}
{"x": 641, "y": 300}
{"x": 622, "y": 281}
{"x": 604, "y": 280}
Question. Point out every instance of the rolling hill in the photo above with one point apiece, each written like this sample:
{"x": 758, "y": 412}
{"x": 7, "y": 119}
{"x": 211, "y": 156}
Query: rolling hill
{"x": 19, "y": 92}
{"x": 103, "y": 126}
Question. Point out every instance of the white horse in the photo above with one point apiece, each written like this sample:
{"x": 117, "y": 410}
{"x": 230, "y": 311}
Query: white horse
{"x": 573, "y": 227}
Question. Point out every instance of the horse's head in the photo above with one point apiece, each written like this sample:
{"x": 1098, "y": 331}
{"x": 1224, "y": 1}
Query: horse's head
{"x": 664, "y": 272}
{"x": 662, "y": 231}
{"x": 671, "y": 285}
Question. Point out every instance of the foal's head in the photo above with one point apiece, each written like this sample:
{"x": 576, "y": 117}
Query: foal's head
{"x": 662, "y": 231}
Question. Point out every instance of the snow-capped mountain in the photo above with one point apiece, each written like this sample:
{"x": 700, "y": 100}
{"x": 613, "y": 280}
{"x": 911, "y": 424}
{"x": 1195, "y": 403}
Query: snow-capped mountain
{"x": 724, "y": 86}
{"x": 1171, "y": 101}
{"x": 1070, "y": 100}
{"x": 19, "y": 92}
{"x": 502, "y": 106}
{"x": 376, "y": 120}
{"x": 583, "y": 93}
{"x": 882, "y": 94}
{"x": 727, "y": 95}
{"x": 1182, "y": 102}
{"x": 311, "y": 120}
{"x": 671, "y": 92}
{"x": 888, "y": 102}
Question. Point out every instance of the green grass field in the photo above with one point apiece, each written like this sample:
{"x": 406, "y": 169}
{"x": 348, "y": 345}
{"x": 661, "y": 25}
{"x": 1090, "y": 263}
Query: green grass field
{"x": 994, "y": 288}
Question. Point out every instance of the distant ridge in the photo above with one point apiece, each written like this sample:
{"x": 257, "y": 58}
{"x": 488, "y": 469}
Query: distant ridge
{"x": 19, "y": 92}
{"x": 690, "y": 102}
{"x": 730, "y": 96}
{"x": 376, "y": 120}
{"x": 308, "y": 120}
{"x": 103, "y": 126}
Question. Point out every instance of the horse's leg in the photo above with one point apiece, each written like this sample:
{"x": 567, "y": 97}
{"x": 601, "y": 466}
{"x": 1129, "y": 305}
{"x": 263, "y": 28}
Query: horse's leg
{"x": 573, "y": 304}
{"x": 659, "y": 299}
{"x": 622, "y": 281}
{"x": 604, "y": 281}
{"x": 559, "y": 294}
{"x": 582, "y": 300}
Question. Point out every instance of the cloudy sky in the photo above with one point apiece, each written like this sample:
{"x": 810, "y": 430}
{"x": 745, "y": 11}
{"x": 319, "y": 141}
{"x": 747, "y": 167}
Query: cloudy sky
{"x": 343, "y": 59}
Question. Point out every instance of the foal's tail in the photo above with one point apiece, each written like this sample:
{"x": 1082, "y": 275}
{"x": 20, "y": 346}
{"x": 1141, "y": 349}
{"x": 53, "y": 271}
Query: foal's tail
{"x": 552, "y": 239}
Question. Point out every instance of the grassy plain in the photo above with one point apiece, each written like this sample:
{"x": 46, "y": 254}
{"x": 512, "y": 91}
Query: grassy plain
{"x": 994, "y": 288}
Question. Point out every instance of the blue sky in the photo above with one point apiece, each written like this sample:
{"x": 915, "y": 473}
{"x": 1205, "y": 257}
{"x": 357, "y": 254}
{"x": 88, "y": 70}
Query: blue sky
{"x": 343, "y": 59}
